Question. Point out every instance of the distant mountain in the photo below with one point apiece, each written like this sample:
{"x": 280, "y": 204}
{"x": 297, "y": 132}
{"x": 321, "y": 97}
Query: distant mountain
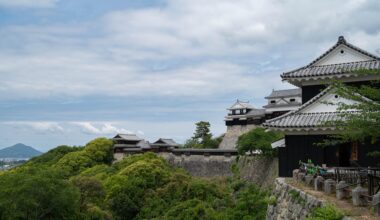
{"x": 19, "y": 151}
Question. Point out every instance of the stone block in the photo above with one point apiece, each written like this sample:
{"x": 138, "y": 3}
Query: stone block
{"x": 295, "y": 174}
{"x": 329, "y": 186}
{"x": 357, "y": 198}
{"x": 319, "y": 183}
{"x": 301, "y": 177}
{"x": 342, "y": 190}
{"x": 376, "y": 203}
{"x": 309, "y": 179}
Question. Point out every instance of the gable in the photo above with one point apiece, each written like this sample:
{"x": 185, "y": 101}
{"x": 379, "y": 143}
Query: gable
{"x": 321, "y": 105}
{"x": 160, "y": 142}
{"x": 342, "y": 54}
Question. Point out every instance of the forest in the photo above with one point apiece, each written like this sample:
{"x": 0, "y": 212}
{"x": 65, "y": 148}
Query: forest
{"x": 84, "y": 183}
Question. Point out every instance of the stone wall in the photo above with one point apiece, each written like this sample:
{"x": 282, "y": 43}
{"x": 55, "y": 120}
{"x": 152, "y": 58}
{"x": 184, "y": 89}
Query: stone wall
{"x": 231, "y": 136}
{"x": 291, "y": 203}
{"x": 200, "y": 165}
{"x": 259, "y": 170}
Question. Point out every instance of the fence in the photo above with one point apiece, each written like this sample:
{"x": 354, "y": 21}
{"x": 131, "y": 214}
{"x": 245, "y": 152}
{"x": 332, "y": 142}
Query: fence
{"x": 365, "y": 176}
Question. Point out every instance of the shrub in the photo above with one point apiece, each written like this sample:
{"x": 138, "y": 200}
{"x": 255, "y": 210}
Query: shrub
{"x": 258, "y": 140}
{"x": 327, "y": 212}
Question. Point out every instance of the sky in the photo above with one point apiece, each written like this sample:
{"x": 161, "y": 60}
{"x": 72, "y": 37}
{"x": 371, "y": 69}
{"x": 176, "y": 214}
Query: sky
{"x": 71, "y": 70}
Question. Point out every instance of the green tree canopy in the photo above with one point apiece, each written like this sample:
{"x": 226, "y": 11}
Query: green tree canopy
{"x": 366, "y": 123}
{"x": 68, "y": 183}
{"x": 258, "y": 140}
{"x": 202, "y": 137}
{"x": 37, "y": 194}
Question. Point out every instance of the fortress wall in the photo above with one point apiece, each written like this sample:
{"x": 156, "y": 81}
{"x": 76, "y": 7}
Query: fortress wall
{"x": 232, "y": 134}
{"x": 256, "y": 169}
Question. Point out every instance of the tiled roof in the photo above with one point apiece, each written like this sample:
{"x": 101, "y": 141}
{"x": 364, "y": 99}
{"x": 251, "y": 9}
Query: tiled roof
{"x": 332, "y": 69}
{"x": 279, "y": 143}
{"x": 256, "y": 112}
{"x": 241, "y": 105}
{"x": 285, "y": 93}
{"x": 129, "y": 137}
{"x": 296, "y": 119}
{"x": 342, "y": 41}
{"x": 302, "y": 120}
{"x": 166, "y": 141}
{"x": 311, "y": 70}
{"x": 275, "y": 105}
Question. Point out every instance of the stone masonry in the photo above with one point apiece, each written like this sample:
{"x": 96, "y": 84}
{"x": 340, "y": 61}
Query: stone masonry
{"x": 291, "y": 203}
{"x": 232, "y": 135}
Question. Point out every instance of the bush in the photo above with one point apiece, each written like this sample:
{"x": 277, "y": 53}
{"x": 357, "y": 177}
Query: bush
{"x": 37, "y": 194}
{"x": 258, "y": 140}
{"x": 97, "y": 151}
{"x": 327, "y": 212}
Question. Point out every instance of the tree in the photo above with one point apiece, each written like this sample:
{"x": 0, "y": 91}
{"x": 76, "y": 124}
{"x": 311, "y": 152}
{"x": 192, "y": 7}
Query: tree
{"x": 365, "y": 123}
{"x": 37, "y": 193}
{"x": 258, "y": 140}
{"x": 202, "y": 137}
{"x": 202, "y": 131}
{"x": 97, "y": 151}
{"x": 91, "y": 191}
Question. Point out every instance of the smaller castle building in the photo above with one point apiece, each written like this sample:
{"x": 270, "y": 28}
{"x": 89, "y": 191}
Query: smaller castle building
{"x": 132, "y": 144}
{"x": 242, "y": 116}
{"x": 282, "y": 101}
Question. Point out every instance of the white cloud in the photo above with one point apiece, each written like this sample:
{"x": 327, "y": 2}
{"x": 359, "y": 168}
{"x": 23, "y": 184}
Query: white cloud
{"x": 43, "y": 127}
{"x": 185, "y": 49}
{"x": 103, "y": 129}
{"x": 28, "y": 3}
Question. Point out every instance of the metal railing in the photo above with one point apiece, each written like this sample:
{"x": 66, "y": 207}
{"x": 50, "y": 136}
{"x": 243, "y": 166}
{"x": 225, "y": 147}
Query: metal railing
{"x": 365, "y": 176}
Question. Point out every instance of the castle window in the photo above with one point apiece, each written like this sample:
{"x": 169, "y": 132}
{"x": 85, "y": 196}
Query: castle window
{"x": 273, "y": 101}
{"x": 292, "y": 100}
{"x": 342, "y": 51}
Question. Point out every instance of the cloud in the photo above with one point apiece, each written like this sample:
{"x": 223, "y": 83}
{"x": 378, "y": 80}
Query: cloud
{"x": 184, "y": 49}
{"x": 103, "y": 129}
{"x": 28, "y": 3}
{"x": 41, "y": 127}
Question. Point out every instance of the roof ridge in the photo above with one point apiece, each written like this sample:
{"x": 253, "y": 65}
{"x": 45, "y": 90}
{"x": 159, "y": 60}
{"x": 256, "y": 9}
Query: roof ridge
{"x": 329, "y": 65}
{"x": 312, "y": 100}
{"x": 341, "y": 41}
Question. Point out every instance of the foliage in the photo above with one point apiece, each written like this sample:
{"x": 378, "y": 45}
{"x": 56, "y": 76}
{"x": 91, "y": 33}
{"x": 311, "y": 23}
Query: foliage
{"x": 251, "y": 203}
{"x": 327, "y": 212}
{"x": 296, "y": 196}
{"x": 191, "y": 209}
{"x": 202, "y": 137}
{"x": 95, "y": 152}
{"x": 202, "y": 131}
{"x": 52, "y": 156}
{"x": 366, "y": 124}
{"x": 81, "y": 183}
{"x": 258, "y": 140}
{"x": 37, "y": 194}
{"x": 91, "y": 191}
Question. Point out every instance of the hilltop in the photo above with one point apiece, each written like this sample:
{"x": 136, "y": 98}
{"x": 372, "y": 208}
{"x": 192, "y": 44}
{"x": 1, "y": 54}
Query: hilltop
{"x": 19, "y": 151}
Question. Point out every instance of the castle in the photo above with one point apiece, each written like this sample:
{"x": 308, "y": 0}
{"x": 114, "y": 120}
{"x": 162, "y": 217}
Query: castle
{"x": 242, "y": 117}
{"x": 299, "y": 113}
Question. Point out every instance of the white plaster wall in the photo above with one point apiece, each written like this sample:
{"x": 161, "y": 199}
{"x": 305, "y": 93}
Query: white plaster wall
{"x": 320, "y": 106}
{"x": 336, "y": 56}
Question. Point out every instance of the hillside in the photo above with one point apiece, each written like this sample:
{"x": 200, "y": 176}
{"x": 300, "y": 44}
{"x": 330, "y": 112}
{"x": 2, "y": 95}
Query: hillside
{"x": 85, "y": 183}
{"x": 19, "y": 151}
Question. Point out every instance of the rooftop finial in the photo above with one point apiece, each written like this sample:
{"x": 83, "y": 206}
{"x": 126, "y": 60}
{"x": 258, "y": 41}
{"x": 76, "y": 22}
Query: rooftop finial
{"x": 341, "y": 39}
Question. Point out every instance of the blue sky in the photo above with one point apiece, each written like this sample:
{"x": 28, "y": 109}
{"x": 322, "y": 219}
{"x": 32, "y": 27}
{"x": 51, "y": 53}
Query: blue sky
{"x": 75, "y": 70}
